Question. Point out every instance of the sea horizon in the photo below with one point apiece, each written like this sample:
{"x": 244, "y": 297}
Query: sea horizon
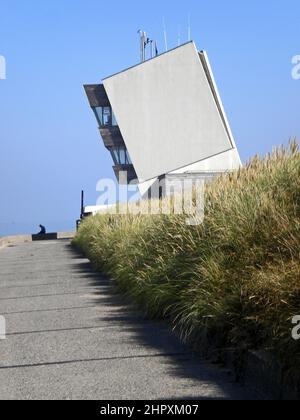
{"x": 29, "y": 228}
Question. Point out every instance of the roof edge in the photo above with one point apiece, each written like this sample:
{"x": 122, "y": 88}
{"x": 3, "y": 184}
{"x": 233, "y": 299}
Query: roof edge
{"x": 150, "y": 59}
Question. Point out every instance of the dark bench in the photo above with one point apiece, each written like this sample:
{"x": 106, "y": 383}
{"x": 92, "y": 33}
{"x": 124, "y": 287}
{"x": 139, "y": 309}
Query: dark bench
{"x": 46, "y": 237}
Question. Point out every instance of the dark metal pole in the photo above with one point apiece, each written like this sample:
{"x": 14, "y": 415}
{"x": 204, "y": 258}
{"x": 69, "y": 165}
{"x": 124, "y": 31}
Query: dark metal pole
{"x": 82, "y": 204}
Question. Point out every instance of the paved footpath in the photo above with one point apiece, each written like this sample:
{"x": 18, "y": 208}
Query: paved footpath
{"x": 70, "y": 336}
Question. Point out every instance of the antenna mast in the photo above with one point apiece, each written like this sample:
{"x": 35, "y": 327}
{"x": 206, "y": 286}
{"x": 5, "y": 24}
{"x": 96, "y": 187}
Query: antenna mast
{"x": 179, "y": 35}
{"x": 144, "y": 41}
{"x": 143, "y": 44}
{"x": 165, "y": 34}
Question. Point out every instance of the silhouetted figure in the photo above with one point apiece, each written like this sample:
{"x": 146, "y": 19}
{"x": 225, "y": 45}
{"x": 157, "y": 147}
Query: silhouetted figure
{"x": 43, "y": 230}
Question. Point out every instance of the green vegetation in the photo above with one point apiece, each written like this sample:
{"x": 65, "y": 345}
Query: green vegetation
{"x": 235, "y": 278}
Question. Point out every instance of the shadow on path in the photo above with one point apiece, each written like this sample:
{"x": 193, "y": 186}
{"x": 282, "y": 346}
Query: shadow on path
{"x": 155, "y": 337}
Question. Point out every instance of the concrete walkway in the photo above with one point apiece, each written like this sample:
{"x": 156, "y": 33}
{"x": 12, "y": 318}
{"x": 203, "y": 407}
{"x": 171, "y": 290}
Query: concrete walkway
{"x": 69, "y": 336}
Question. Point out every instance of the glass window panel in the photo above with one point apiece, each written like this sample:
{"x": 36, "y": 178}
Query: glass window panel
{"x": 122, "y": 156}
{"x": 107, "y": 116}
{"x": 114, "y": 121}
{"x": 129, "y": 162}
{"x": 115, "y": 156}
{"x": 99, "y": 114}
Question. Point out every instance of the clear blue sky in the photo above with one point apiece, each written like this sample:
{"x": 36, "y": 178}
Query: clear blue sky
{"x": 49, "y": 143}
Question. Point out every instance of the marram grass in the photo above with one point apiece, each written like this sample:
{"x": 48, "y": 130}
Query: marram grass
{"x": 236, "y": 277}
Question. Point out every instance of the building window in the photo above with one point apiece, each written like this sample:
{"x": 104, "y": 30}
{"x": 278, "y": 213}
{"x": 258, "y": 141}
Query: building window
{"x": 120, "y": 156}
{"x": 114, "y": 120}
{"x": 105, "y": 116}
{"x": 107, "y": 120}
{"x": 115, "y": 156}
{"x": 99, "y": 115}
{"x": 128, "y": 159}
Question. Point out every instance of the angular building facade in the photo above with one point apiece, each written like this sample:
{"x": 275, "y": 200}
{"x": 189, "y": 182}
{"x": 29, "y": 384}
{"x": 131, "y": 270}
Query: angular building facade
{"x": 110, "y": 131}
{"x": 164, "y": 118}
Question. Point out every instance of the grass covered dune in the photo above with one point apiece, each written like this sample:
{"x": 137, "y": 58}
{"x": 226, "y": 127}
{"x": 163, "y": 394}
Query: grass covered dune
{"x": 235, "y": 278}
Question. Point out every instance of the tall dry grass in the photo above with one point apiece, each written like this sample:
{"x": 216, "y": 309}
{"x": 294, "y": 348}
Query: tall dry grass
{"x": 236, "y": 277}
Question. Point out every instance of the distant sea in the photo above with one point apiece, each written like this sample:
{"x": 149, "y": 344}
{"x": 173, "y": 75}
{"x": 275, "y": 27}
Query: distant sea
{"x": 28, "y": 228}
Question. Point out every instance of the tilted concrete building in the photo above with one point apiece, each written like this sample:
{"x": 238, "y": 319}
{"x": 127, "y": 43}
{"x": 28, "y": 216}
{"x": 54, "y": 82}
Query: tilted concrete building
{"x": 164, "y": 118}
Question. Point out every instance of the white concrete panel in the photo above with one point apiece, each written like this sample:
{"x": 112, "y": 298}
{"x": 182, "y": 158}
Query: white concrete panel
{"x": 145, "y": 186}
{"x": 167, "y": 113}
{"x": 227, "y": 161}
{"x": 207, "y": 65}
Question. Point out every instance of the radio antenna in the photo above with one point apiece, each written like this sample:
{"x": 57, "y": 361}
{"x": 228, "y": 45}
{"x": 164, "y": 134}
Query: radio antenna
{"x": 151, "y": 48}
{"x": 179, "y": 35}
{"x": 143, "y": 43}
{"x": 165, "y": 34}
{"x": 156, "y": 48}
{"x": 189, "y": 27}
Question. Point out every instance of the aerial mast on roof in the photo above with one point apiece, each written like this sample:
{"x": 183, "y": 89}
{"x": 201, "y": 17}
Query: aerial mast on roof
{"x": 144, "y": 41}
{"x": 143, "y": 44}
{"x": 189, "y": 28}
{"x": 179, "y": 36}
{"x": 165, "y": 34}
